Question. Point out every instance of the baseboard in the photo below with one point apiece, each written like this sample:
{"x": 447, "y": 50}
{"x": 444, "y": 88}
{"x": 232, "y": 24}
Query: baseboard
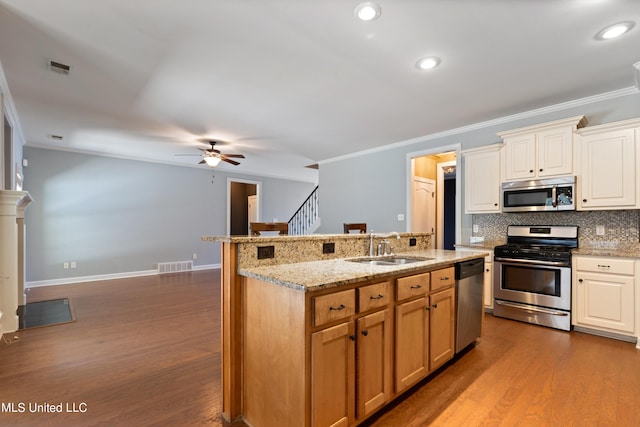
{"x": 606, "y": 334}
{"x": 125, "y": 275}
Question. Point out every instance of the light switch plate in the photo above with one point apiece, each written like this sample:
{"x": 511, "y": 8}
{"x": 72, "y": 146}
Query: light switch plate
{"x": 400, "y": 217}
{"x": 599, "y": 230}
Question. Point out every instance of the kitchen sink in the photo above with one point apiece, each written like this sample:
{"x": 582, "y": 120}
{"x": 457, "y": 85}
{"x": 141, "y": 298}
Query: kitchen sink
{"x": 393, "y": 260}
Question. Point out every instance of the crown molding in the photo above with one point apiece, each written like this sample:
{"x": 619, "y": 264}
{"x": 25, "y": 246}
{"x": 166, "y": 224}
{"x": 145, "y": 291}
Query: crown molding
{"x": 494, "y": 122}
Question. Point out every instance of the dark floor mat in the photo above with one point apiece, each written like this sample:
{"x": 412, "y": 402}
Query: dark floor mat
{"x": 45, "y": 313}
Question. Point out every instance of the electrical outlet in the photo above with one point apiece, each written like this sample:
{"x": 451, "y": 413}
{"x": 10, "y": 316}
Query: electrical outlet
{"x": 328, "y": 248}
{"x": 73, "y": 264}
{"x": 195, "y": 256}
{"x": 599, "y": 230}
{"x": 65, "y": 265}
{"x": 475, "y": 228}
{"x": 265, "y": 252}
{"x": 400, "y": 217}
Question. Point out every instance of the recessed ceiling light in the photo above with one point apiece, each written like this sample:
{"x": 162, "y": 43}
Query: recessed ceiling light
{"x": 615, "y": 30}
{"x": 428, "y": 63}
{"x": 367, "y": 11}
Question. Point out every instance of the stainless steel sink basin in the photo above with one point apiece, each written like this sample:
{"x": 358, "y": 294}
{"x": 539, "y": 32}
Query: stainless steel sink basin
{"x": 393, "y": 260}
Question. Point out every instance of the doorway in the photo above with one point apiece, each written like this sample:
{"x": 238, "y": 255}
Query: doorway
{"x": 243, "y": 205}
{"x": 438, "y": 166}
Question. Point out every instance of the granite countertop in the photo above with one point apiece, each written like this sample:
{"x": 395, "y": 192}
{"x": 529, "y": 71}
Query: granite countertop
{"x": 486, "y": 245}
{"x": 624, "y": 250}
{"x": 304, "y": 237}
{"x": 315, "y": 275}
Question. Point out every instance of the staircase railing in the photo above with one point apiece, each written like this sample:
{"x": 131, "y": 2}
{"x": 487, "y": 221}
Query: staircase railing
{"x": 306, "y": 215}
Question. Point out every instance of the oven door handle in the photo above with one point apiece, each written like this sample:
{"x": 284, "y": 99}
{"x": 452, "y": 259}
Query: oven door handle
{"x": 533, "y": 261}
{"x": 531, "y": 308}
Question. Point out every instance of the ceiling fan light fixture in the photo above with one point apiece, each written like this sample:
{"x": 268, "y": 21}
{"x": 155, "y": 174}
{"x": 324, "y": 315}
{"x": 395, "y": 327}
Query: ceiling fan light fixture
{"x": 212, "y": 161}
{"x": 428, "y": 63}
{"x": 367, "y": 11}
{"x": 615, "y": 30}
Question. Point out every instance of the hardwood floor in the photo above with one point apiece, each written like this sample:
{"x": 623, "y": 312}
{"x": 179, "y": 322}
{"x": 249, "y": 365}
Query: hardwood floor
{"x": 146, "y": 351}
{"x": 143, "y": 351}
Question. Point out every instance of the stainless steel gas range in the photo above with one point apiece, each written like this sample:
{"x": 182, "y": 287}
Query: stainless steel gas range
{"x": 532, "y": 280}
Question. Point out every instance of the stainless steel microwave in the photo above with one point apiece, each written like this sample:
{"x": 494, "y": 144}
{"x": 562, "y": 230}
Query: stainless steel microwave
{"x": 553, "y": 194}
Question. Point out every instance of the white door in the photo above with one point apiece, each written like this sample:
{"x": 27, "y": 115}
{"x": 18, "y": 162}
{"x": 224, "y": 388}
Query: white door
{"x": 423, "y": 215}
{"x": 252, "y": 203}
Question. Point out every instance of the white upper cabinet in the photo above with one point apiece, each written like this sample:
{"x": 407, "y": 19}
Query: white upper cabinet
{"x": 540, "y": 151}
{"x": 482, "y": 180}
{"x": 608, "y": 157}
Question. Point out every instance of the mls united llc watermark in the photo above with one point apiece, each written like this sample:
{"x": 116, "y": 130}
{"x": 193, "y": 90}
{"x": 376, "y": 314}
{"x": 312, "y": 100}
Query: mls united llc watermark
{"x": 46, "y": 407}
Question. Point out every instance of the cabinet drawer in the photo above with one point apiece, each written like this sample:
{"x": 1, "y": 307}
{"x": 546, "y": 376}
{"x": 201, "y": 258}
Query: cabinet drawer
{"x": 412, "y": 286}
{"x": 442, "y": 278}
{"x": 605, "y": 265}
{"x": 373, "y": 296}
{"x": 336, "y": 306}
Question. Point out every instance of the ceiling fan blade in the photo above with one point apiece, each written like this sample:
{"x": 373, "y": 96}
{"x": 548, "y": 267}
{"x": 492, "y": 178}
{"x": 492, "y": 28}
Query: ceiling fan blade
{"x": 238, "y": 156}
{"x": 233, "y": 162}
{"x": 201, "y": 162}
{"x": 199, "y": 155}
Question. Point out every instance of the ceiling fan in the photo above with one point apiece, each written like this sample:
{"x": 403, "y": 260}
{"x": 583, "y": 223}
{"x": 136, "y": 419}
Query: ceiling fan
{"x": 212, "y": 156}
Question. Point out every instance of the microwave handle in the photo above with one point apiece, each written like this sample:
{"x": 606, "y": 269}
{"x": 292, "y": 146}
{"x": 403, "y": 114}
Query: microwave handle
{"x": 554, "y": 196}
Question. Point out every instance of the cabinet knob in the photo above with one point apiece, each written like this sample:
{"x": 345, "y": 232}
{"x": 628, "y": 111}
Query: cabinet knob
{"x": 530, "y": 170}
{"x": 416, "y": 287}
{"x": 338, "y": 308}
{"x": 540, "y": 170}
{"x": 427, "y": 308}
{"x": 365, "y": 332}
{"x": 444, "y": 278}
{"x": 584, "y": 200}
{"x": 495, "y": 204}
{"x": 435, "y": 305}
{"x": 379, "y": 296}
{"x": 352, "y": 337}
{"x": 487, "y": 270}
{"x": 580, "y": 280}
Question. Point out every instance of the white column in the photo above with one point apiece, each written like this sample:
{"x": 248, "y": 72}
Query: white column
{"x": 22, "y": 204}
{"x": 9, "y": 202}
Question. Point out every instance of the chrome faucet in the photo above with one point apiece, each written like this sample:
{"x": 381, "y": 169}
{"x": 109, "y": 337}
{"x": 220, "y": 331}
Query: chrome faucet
{"x": 384, "y": 245}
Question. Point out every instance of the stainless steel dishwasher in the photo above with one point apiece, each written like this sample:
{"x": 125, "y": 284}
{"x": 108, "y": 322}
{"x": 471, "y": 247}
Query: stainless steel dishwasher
{"x": 469, "y": 307}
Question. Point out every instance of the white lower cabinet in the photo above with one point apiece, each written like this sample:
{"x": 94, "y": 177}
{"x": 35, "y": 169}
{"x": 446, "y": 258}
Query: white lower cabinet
{"x": 605, "y": 294}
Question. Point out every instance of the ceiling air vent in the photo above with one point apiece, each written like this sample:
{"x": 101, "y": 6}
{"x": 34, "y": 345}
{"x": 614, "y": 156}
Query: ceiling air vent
{"x": 59, "y": 67}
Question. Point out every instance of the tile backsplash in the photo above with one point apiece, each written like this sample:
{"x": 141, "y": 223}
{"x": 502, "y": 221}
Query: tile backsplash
{"x": 620, "y": 227}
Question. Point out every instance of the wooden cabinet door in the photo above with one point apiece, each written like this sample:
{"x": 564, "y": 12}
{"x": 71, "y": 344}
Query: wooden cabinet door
{"x": 605, "y": 301}
{"x": 442, "y": 328}
{"x": 608, "y": 175}
{"x": 555, "y": 152}
{"x": 374, "y": 362}
{"x": 482, "y": 181}
{"x": 412, "y": 343}
{"x": 333, "y": 376}
{"x": 519, "y": 157}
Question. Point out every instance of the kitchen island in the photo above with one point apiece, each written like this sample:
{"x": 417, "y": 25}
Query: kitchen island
{"x": 330, "y": 341}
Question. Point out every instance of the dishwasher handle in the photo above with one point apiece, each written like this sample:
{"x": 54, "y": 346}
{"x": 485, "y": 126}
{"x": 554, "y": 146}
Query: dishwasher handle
{"x": 470, "y": 268}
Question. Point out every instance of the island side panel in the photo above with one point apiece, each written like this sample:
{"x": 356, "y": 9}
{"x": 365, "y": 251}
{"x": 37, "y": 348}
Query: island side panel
{"x": 231, "y": 334}
{"x": 274, "y": 355}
